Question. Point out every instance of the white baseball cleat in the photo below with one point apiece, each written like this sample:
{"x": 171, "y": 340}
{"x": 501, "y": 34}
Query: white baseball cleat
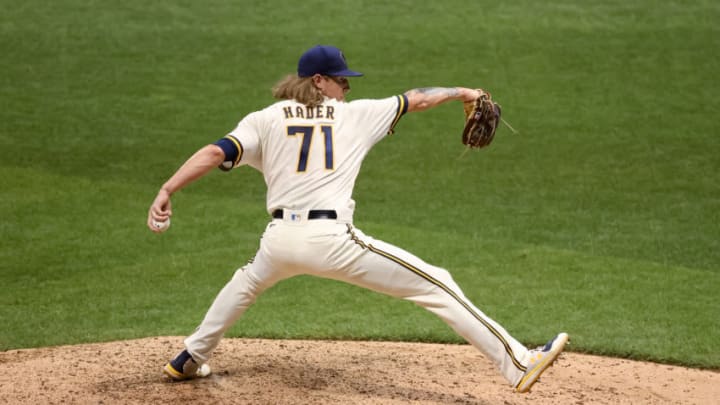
{"x": 184, "y": 367}
{"x": 540, "y": 359}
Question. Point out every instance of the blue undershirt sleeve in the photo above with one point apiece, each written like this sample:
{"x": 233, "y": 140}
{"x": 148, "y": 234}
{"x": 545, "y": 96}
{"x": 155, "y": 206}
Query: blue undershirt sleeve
{"x": 233, "y": 152}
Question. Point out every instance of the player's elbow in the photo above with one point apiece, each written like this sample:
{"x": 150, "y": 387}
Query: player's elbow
{"x": 419, "y": 106}
{"x": 417, "y": 101}
{"x": 214, "y": 153}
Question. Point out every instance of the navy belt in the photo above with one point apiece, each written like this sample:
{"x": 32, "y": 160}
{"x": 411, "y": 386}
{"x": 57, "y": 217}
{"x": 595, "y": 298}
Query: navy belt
{"x": 312, "y": 214}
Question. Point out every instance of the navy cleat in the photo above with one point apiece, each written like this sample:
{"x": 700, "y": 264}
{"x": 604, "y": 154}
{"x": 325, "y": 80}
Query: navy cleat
{"x": 184, "y": 367}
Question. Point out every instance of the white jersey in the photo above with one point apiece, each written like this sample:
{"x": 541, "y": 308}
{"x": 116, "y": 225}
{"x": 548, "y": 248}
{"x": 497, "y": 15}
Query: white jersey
{"x": 310, "y": 157}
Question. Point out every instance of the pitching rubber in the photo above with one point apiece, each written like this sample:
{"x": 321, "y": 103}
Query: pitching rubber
{"x": 202, "y": 371}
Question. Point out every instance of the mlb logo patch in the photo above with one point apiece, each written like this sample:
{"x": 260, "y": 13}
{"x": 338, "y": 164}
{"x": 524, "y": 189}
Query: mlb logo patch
{"x": 295, "y": 217}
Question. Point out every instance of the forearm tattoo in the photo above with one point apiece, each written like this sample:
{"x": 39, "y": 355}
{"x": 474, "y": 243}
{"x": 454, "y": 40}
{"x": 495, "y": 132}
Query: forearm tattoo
{"x": 441, "y": 91}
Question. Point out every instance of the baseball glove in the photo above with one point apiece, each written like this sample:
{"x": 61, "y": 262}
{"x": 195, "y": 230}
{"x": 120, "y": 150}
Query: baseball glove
{"x": 482, "y": 117}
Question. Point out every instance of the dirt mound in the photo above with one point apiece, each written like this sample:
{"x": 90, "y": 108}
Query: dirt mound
{"x": 258, "y": 371}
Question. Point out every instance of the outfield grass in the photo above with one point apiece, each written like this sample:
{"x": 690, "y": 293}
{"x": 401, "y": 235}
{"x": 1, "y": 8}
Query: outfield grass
{"x": 600, "y": 217}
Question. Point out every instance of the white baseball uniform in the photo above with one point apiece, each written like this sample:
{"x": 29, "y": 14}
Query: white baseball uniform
{"x": 310, "y": 158}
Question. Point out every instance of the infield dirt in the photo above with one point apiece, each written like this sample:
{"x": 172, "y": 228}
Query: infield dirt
{"x": 258, "y": 371}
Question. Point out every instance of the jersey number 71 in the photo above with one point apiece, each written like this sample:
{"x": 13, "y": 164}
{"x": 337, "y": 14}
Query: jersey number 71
{"x": 307, "y": 134}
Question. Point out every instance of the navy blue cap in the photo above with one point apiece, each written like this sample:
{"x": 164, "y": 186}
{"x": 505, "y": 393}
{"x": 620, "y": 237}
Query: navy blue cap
{"x": 325, "y": 60}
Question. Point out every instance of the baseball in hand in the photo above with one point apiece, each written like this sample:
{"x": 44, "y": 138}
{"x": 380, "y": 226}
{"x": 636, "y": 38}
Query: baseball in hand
{"x": 161, "y": 226}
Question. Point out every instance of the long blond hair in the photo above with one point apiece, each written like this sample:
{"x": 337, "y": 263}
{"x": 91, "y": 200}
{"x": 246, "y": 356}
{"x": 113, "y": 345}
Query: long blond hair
{"x": 300, "y": 89}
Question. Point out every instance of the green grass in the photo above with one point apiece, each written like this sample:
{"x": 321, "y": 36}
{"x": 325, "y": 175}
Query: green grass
{"x": 600, "y": 217}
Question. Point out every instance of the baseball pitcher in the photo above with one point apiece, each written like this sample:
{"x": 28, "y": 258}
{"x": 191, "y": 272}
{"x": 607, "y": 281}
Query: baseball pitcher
{"x": 309, "y": 146}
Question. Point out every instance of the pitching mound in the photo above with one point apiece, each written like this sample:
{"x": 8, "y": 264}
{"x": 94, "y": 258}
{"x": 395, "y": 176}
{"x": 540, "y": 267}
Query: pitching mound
{"x": 255, "y": 371}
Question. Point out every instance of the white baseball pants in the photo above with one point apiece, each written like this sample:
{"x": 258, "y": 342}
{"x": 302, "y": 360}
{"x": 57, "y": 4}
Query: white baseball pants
{"x": 335, "y": 250}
